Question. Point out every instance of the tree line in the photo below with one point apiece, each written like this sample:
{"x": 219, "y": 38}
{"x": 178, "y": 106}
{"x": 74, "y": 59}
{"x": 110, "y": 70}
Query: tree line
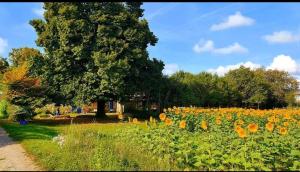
{"x": 242, "y": 87}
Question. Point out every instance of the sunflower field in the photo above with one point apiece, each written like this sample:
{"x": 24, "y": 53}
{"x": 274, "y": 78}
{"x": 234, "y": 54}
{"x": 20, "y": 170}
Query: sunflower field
{"x": 222, "y": 138}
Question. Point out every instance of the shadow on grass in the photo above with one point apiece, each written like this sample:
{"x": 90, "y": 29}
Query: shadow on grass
{"x": 83, "y": 119}
{"x": 30, "y": 131}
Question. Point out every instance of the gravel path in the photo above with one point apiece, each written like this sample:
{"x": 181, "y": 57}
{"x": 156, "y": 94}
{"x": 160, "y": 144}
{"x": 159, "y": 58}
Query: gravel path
{"x": 13, "y": 156}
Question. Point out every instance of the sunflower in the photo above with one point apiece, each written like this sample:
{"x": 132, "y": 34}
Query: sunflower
{"x": 253, "y": 127}
{"x": 242, "y": 133}
{"x": 270, "y": 126}
{"x": 239, "y": 122}
{"x": 182, "y": 124}
{"x": 168, "y": 121}
{"x": 218, "y": 122}
{"x": 282, "y": 130}
{"x": 228, "y": 117}
{"x": 286, "y": 124}
{"x": 162, "y": 116}
{"x": 287, "y": 116}
{"x": 204, "y": 125}
{"x": 238, "y": 128}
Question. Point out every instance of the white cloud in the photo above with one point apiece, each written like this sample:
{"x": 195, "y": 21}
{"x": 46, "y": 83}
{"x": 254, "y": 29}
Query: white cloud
{"x": 170, "y": 69}
{"x": 39, "y": 11}
{"x": 208, "y": 46}
{"x": 3, "y": 45}
{"x": 234, "y": 48}
{"x": 222, "y": 70}
{"x": 235, "y": 20}
{"x": 280, "y": 62}
{"x": 282, "y": 37}
{"x": 284, "y": 63}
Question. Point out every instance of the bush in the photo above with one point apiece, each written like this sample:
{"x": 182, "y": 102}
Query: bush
{"x": 3, "y": 109}
{"x": 22, "y": 114}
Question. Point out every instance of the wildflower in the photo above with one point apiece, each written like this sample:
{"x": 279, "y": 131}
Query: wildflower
{"x": 135, "y": 120}
{"x": 204, "y": 125}
{"x": 168, "y": 121}
{"x": 59, "y": 139}
{"x": 253, "y": 128}
{"x": 182, "y": 124}
{"x": 162, "y": 116}
{"x": 270, "y": 126}
{"x": 282, "y": 130}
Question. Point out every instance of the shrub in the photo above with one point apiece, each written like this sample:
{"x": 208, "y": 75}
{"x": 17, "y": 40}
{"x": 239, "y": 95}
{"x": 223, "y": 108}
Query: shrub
{"x": 3, "y": 109}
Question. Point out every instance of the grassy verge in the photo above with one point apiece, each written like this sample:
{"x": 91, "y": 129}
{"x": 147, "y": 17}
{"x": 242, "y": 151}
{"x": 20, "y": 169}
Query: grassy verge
{"x": 85, "y": 147}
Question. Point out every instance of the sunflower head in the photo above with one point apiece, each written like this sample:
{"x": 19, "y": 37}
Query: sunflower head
{"x": 182, "y": 124}
{"x": 282, "y": 131}
{"x": 242, "y": 133}
{"x": 270, "y": 126}
{"x": 253, "y": 127}
{"x": 162, "y": 116}
{"x": 204, "y": 125}
{"x": 168, "y": 121}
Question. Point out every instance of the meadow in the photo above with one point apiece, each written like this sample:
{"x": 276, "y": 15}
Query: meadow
{"x": 181, "y": 139}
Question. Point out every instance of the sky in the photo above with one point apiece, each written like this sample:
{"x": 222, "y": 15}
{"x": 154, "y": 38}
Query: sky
{"x": 195, "y": 37}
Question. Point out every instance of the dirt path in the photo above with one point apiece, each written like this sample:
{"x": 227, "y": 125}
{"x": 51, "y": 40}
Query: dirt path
{"x": 12, "y": 155}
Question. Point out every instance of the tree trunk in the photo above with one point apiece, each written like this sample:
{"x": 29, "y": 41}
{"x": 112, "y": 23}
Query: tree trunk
{"x": 100, "y": 109}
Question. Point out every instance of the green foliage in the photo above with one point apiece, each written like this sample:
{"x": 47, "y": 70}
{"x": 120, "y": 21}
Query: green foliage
{"x": 20, "y": 55}
{"x": 3, "y": 65}
{"x": 218, "y": 147}
{"x": 3, "y": 109}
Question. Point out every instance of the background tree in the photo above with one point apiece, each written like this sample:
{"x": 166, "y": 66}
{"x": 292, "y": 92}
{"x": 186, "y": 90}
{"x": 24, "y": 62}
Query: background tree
{"x": 23, "y": 90}
{"x": 3, "y": 65}
{"x": 20, "y": 55}
{"x": 281, "y": 83}
{"x": 94, "y": 51}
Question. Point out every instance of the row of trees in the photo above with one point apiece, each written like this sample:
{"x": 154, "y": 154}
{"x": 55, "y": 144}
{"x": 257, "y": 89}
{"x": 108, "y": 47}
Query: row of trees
{"x": 238, "y": 88}
{"x": 95, "y": 52}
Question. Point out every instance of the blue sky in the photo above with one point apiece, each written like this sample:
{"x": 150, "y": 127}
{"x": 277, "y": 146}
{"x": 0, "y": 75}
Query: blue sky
{"x": 195, "y": 37}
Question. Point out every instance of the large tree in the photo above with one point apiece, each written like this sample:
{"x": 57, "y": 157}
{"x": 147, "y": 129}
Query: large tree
{"x": 93, "y": 51}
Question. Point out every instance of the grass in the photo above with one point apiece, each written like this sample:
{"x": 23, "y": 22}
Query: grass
{"x": 91, "y": 146}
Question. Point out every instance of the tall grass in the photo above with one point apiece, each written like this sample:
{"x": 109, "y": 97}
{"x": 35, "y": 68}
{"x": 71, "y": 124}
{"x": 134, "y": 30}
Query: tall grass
{"x": 85, "y": 147}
